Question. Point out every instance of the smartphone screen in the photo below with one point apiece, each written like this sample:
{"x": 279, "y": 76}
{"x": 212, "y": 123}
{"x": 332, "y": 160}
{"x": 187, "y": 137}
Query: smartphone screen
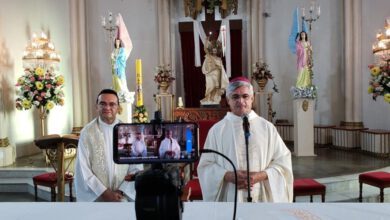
{"x": 155, "y": 143}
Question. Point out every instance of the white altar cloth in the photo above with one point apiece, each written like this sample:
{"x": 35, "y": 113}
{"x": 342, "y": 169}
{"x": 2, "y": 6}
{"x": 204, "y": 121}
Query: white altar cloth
{"x": 198, "y": 210}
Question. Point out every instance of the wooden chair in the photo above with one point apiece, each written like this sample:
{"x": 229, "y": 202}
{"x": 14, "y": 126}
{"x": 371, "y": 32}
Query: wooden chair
{"x": 192, "y": 190}
{"x": 378, "y": 179}
{"x": 309, "y": 187}
{"x": 58, "y": 145}
{"x": 50, "y": 180}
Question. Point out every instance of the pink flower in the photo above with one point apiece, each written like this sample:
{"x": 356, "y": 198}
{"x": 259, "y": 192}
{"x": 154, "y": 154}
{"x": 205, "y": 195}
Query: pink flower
{"x": 43, "y": 94}
{"x": 27, "y": 88}
{"x": 48, "y": 86}
{"x": 32, "y": 79}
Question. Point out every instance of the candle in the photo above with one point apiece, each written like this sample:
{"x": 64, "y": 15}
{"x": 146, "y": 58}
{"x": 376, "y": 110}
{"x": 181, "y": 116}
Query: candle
{"x": 319, "y": 11}
{"x": 303, "y": 12}
{"x": 138, "y": 71}
{"x": 180, "y": 103}
{"x": 103, "y": 21}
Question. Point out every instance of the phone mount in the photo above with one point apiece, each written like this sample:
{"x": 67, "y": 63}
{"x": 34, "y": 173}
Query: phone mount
{"x": 158, "y": 194}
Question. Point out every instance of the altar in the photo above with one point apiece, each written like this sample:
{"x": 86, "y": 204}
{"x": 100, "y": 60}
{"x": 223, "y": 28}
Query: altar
{"x": 200, "y": 210}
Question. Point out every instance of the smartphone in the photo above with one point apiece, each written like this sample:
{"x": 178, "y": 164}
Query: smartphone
{"x": 149, "y": 143}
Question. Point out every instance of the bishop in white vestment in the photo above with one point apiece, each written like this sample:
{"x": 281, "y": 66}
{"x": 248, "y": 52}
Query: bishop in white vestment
{"x": 271, "y": 176}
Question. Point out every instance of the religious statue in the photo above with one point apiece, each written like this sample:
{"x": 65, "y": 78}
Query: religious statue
{"x": 212, "y": 68}
{"x": 122, "y": 49}
{"x": 304, "y": 61}
{"x": 118, "y": 61}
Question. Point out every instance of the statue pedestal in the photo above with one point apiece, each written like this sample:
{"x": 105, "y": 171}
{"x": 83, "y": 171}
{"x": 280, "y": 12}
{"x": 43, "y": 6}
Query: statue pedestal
{"x": 127, "y": 110}
{"x": 304, "y": 127}
{"x": 165, "y": 103}
{"x": 7, "y": 155}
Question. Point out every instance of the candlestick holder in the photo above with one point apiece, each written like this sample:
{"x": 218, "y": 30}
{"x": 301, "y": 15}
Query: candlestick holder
{"x": 314, "y": 15}
{"x": 110, "y": 27}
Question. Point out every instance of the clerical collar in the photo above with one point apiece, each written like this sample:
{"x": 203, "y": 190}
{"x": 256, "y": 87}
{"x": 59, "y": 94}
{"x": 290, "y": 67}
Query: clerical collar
{"x": 234, "y": 117}
{"x": 100, "y": 121}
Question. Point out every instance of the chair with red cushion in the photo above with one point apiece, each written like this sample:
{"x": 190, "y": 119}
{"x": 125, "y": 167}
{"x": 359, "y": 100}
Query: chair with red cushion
{"x": 378, "y": 179}
{"x": 309, "y": 187}
{"x": 192, "y": 187}
{"x": 51, "y": 144}
{"x": 50, "y": 180}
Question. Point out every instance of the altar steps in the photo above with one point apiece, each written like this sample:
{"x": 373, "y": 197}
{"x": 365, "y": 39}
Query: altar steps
{"x": 346, "y": 189}
{"x": 19, "y": 180}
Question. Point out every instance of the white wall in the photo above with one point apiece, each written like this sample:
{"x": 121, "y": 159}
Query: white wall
{"x": 140, "y": 18}
{"x": 18, "y": 20}
{"x": 327, "y": 42}
{"x": 376, "y": 114}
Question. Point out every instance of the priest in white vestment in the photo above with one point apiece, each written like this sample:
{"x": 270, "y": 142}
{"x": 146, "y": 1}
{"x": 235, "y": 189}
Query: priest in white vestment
{"x": 271, "y": 177}
{"x": 169, "y": 147}
{"x": 97, "y": 177}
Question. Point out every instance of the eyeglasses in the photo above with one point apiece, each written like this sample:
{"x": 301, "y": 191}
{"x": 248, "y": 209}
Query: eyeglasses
{"x": 237, "y": 97}
{"x": 105, "y": 104}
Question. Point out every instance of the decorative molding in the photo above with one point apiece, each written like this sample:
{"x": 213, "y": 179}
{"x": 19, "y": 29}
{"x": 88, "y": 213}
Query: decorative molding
{"x": 199, "y": 114}
{"x": 358, "y": 124}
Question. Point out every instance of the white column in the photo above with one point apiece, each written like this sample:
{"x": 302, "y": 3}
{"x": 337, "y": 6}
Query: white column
{"x": 164, "y": 44}
{"x": 357, "y": 56}
{"x": 348, "y": 60}
{"x": 255, "y": 32}
{"x": 353, "y": 57}
{"x": 79, "y": 62}
{"x": 304, "y": 127}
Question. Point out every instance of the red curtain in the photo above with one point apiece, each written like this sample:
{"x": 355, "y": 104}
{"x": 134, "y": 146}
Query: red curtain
{"x": 194, "y": 80}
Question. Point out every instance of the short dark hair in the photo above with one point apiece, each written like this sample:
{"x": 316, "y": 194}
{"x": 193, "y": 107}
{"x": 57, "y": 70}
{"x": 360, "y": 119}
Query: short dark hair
{"x": 107, "y": 91}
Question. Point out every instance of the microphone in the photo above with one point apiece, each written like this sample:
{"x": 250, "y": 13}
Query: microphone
{"x": 245, "y": 125}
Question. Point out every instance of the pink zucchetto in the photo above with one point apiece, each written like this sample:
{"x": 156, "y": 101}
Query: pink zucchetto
{"x": 240, "y": 78}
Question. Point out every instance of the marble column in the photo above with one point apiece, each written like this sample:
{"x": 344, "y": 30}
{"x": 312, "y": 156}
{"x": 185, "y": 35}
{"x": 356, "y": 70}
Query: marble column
{"x": 353, "y": 57}
{"x": 79, "y": 63}
{"x": 255, "y": 31}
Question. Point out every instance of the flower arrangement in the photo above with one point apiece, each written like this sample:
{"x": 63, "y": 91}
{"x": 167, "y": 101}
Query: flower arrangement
{"x": 40, "y": 87}
{"x": 260, "y": 72}
{"x": 379, "y": 84}
{"x": 140, "y": 114}
{"x": 163, "y": 74}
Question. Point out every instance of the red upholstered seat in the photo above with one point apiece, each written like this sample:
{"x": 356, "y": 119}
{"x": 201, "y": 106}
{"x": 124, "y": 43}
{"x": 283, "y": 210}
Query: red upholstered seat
{"x": 50, "y": 180}
{"x": 378, "y": 179}
{"x": 196, "y": 192}
{"x": 309, "y": 187}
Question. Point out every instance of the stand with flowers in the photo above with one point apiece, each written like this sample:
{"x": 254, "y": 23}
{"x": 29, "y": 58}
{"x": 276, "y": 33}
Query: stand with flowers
{"x": 42, "y": 88}
{"x": 261, "y": 74}
{"x": 379, "y": 84}
{"x": 164, "y": 78}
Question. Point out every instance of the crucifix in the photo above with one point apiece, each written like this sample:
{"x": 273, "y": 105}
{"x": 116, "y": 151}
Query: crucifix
{"x": 193, "y": 78}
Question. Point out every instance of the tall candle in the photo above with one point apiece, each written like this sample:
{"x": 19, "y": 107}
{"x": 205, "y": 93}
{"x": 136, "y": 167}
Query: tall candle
{"x": 138, "y": 71}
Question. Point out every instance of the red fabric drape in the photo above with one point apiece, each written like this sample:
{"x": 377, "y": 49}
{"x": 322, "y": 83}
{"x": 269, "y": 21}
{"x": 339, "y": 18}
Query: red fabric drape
{"x": 194, "y": 80}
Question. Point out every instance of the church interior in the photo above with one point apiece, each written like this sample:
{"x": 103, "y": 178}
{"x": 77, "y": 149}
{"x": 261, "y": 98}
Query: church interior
{"x": 336, "y": 126}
